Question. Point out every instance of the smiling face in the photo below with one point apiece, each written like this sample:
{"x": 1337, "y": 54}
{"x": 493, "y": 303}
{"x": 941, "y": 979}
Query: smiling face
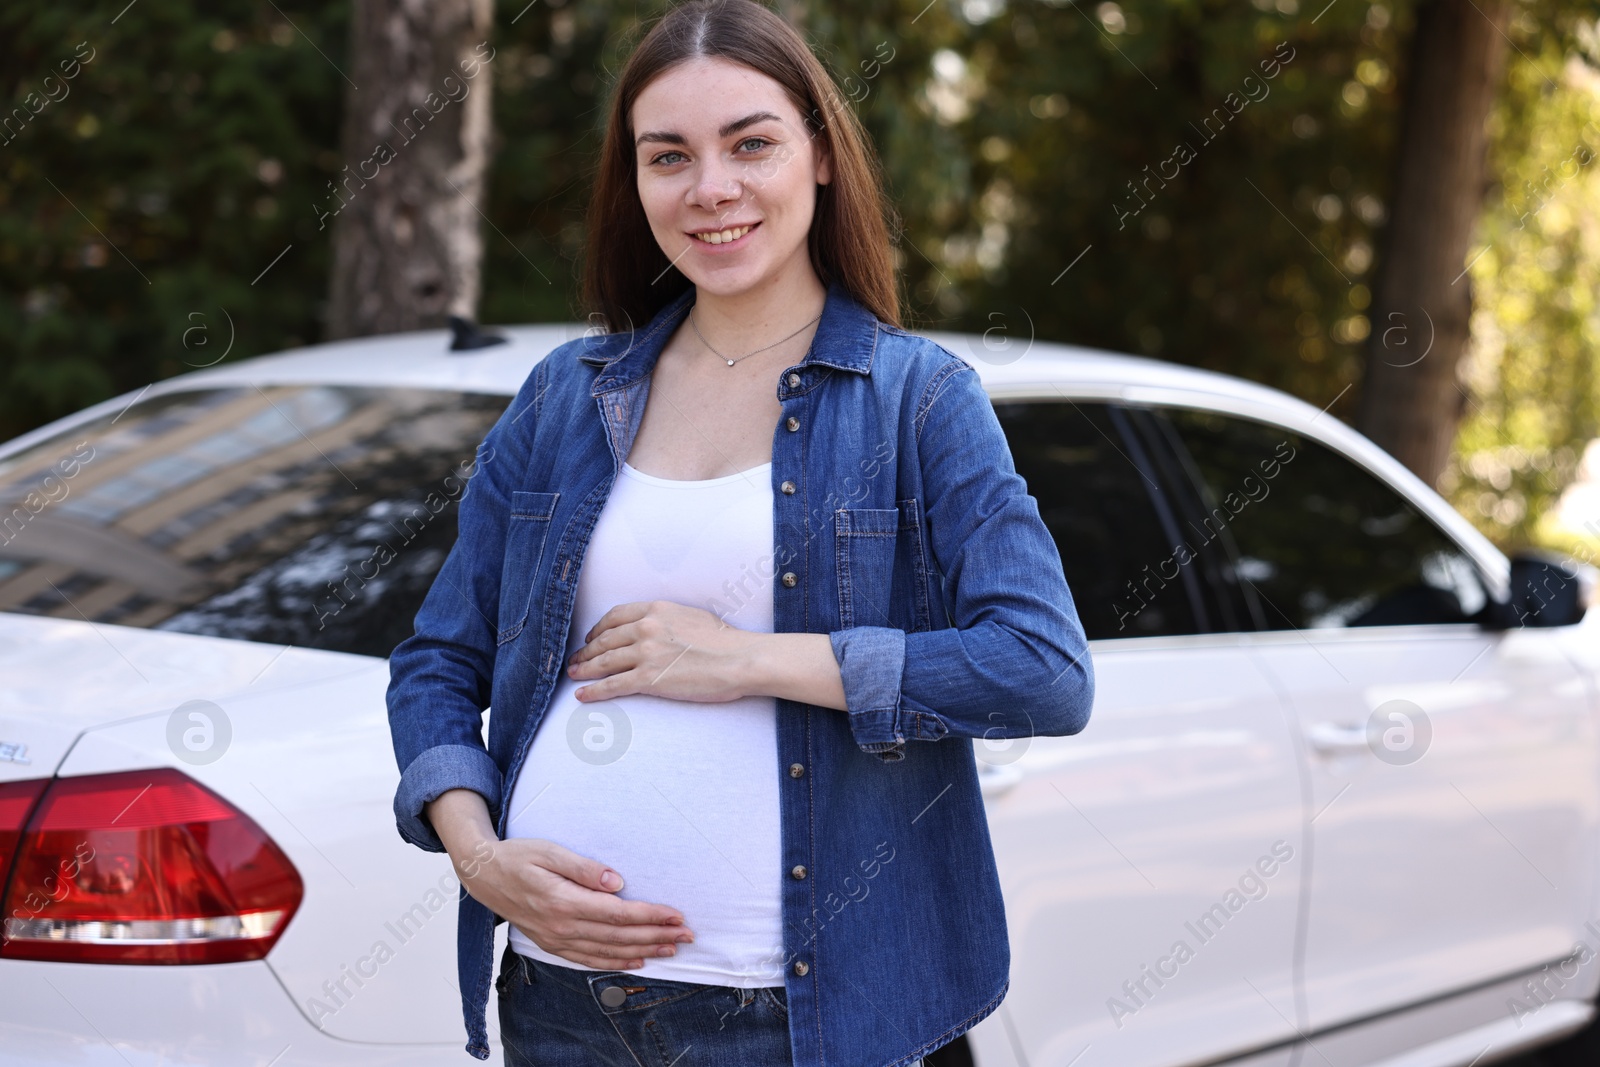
{"x": 727, "y": 174}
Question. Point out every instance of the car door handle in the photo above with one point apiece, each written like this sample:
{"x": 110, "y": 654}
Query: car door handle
{"x": 1334, "y": 739}
{"x": 995, "y": 779}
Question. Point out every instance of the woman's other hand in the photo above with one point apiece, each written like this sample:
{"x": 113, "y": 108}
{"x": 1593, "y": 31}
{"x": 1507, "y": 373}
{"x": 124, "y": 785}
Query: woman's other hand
{"x": 563, "y": 902}
{"x": 663, "y": 649}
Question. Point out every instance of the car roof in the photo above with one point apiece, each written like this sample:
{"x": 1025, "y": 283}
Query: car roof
{"x": 1007, "y": 366}
{"x": 422, "y": 359}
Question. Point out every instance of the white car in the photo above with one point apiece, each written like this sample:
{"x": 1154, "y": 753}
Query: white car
{"x": 1337, "y": 803}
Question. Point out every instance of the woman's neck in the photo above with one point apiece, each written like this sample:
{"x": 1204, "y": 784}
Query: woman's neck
{"x": 740, "y": 322}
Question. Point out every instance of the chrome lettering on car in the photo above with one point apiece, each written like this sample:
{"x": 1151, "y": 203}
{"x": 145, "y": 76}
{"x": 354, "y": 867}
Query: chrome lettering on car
{"x": 14, "y": 752}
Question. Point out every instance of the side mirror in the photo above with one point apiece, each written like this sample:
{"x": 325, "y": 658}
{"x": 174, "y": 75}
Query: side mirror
{"x": 1546, "y": 590}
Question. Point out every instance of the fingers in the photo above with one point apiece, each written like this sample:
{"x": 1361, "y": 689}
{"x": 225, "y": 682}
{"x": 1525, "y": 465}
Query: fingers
{"x": 603, "y": 931}
{"x": 595, "y": 660}
{"x": 607, "y": 910}
{"x": 613, "y": 637}
{"x": 629, "y": 941}
{"x": 586, "y": 872}
{"x": 620, "y": 947}
{"x": 598, "y": 955}
{"x": 622, "y": 613}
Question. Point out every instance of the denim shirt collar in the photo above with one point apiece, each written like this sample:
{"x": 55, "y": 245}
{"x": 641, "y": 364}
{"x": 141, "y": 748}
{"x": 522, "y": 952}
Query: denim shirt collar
{"x": 846, "y": 339}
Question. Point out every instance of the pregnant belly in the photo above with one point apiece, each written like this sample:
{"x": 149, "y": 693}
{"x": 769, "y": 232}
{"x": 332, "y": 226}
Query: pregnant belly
{"x": 679, "y": 798}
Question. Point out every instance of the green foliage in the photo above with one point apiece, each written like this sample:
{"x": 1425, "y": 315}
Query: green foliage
{"x": 1011, "y": 137}
{"x": 1533, "y": 396}
{"x": 136, "y": 211}
{"x": 1032, "y": 152}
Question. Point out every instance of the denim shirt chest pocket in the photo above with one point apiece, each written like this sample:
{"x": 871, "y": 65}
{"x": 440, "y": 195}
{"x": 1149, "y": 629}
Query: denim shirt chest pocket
{"x": 527, "y": 530}
{"x": 882, "y": 567}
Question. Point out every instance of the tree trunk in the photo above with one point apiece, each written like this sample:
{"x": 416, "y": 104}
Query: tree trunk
{"x": 407, "y": 247}
{"x": 1410, "y": 401}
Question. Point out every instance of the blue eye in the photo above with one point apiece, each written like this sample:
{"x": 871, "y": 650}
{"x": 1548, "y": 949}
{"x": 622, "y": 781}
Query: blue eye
{"x": 760, "y": 142}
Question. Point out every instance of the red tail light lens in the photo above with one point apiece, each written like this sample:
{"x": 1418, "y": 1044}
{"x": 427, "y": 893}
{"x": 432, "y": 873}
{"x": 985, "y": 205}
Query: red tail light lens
{"x": 16, "y": 800}
{"x": 144, "y": 867}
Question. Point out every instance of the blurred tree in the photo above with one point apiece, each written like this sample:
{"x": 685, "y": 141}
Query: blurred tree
{"x": 1410, "y": 403}
{"x": 406, "y": 241}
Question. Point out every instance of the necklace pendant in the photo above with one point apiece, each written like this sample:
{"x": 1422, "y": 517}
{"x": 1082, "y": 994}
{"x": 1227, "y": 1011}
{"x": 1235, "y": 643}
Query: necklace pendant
{"x": 730, "y": 362}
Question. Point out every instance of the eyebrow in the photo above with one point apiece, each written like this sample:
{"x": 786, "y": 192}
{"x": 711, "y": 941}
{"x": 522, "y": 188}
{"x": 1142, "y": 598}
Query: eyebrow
{"x": 728, "y": 130}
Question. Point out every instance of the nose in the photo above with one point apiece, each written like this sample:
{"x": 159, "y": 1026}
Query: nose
{"x": 717, "y": 184}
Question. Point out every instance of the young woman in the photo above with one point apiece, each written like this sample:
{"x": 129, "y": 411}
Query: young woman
{"x": 741, "y": 577}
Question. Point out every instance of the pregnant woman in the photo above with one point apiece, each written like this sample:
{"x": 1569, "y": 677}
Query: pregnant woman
{"x": 741, "y": 576}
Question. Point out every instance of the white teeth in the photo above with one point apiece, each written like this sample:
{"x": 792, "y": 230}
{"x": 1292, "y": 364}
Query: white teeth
{"x": 723, "y": 236}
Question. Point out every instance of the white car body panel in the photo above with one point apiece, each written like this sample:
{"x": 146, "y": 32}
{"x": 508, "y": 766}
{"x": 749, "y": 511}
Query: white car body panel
{"x": 1194, "y": 763}
{"x": 1186, "y": 777}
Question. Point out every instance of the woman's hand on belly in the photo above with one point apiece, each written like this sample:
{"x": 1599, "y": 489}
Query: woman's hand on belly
{"x": 555, "y": 897}
{"x": 664, "y": 649}
{"x": 562, "y": 901}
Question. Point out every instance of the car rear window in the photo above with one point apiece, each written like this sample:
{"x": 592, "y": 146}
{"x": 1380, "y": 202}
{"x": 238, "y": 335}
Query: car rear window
{"x": 307, "y": 515}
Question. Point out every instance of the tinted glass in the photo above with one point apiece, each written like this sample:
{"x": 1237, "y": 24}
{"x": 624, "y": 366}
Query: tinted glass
{"x": 308, "y": 515}
{"x": 1101, "y": 507}
{"x": 1320, "y": 541}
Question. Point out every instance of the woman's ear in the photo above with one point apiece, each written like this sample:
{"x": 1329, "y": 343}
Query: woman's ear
{"x": 824, "y": 163}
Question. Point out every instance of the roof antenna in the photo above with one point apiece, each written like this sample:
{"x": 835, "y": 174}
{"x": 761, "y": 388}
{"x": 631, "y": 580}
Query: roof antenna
{"x": 466, "y": 335}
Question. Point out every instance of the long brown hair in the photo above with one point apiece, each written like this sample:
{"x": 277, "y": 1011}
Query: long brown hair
{"x": 626, "y": 276}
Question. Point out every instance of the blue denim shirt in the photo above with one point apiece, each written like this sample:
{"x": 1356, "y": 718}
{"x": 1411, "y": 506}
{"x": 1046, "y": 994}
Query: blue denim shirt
{"x": 908, "y": 538}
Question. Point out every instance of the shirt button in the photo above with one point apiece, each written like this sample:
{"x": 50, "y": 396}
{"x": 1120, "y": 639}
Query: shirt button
{"x": 788, "y": 488}
{"x": 790, "y": 579}
{"x": 796, "y": 770}
{"x": 800, "y": 968}
{"x": 798, "y": 872}
{"x": 794, "y": 380}
{"x": 793, "y": 424}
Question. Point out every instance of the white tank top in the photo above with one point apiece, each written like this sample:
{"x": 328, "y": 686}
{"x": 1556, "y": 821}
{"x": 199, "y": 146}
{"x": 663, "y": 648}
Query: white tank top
{"x": 680, "y": 798}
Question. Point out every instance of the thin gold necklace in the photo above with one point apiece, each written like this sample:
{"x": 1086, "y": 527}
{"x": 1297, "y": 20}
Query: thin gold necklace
{"x": 747, "y": 355}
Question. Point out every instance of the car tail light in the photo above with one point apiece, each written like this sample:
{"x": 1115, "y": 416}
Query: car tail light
{"x": 16, "y": 800}
{"x": 143, "y": 867}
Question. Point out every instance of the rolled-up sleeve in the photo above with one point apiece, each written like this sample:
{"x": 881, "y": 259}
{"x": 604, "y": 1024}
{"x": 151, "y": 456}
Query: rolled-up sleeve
{"x": 437, "y": 770}
{"x": 1016, "y": 661}
{"x": 871, "y": 659}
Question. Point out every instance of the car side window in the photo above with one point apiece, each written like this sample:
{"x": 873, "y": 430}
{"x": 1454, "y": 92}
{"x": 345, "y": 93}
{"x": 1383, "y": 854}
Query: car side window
{"x": 1105, "y": 512}
{"x": 1318, "y": 540}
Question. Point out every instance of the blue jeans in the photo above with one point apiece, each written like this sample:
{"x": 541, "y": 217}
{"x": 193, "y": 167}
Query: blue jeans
{"x": 553, "y": 1016}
